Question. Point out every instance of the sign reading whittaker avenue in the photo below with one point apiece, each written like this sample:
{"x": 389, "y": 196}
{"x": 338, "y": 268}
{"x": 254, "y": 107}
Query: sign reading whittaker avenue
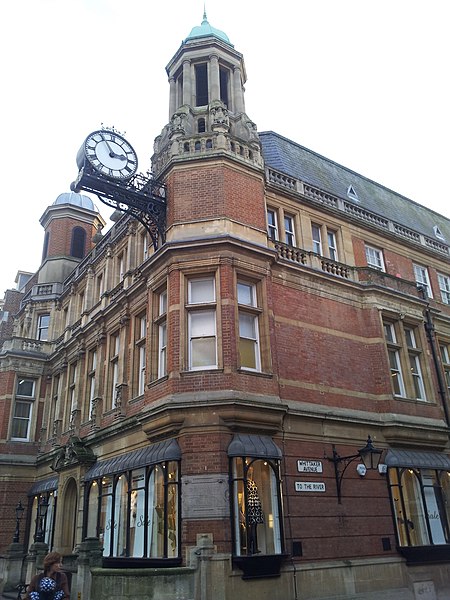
{"x": 309, "y": 466}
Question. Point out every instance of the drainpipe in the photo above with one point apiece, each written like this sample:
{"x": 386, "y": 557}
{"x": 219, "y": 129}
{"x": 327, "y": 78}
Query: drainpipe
{"x": 429, "y": 328}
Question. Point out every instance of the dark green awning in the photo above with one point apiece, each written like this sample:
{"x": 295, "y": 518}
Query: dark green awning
{"x": 44, "y": 485}
{"x": 396, "y": 457}
{"x": 149, "y": 455}
{"x": 256, "y": 446}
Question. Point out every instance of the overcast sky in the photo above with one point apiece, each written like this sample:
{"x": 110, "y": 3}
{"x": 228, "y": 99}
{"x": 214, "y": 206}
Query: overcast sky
{"x": 362, "y": 82}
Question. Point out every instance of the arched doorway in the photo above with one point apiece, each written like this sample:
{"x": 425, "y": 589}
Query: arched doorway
{"x": 69, "y": 517}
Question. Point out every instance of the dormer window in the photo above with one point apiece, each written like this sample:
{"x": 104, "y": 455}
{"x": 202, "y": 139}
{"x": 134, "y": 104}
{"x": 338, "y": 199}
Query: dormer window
{"x": 351, "y": 193}
{"x": 438, "y": 233}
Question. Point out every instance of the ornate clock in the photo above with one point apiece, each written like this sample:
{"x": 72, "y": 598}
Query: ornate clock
{"x": 109, "y": 154}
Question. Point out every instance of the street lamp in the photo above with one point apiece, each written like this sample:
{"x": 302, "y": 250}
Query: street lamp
{"x": 369, "y": 455}
{"x": 19, "y": 514}
{"x": 41, "y": 514}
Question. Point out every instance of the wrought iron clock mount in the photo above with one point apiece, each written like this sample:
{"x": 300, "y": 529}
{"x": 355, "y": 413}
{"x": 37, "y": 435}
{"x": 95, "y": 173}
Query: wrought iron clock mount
{"x": 107, "y": 166}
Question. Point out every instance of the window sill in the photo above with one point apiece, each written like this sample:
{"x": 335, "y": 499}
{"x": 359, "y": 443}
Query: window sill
{"x": 259, "y": 566}
{"x": 127, "y": 562}
{"x": 263, "y": 374}
{"x": 202, "y": 371}
{"x": 416, "y": 555}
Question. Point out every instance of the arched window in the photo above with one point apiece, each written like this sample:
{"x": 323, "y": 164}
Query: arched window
{"x": 78, "y": 243}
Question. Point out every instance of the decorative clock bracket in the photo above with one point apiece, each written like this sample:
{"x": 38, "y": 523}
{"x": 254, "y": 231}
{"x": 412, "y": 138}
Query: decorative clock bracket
{"x": 141, "y": 196}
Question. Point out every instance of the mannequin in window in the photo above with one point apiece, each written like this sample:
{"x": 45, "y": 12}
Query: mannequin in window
{"x": 255, "y": 515}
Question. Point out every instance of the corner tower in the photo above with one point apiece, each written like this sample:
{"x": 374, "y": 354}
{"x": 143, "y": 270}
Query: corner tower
{"x": 209, "y": 153}
{"x": 70, "y": 224}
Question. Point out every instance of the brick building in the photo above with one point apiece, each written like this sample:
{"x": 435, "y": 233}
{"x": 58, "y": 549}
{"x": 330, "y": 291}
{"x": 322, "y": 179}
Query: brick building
{"x": 203, "y": 407}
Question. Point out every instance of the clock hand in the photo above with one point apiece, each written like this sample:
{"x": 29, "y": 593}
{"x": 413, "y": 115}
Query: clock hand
{"x": 119, "y": 156}
{"x": 112, "y": 154}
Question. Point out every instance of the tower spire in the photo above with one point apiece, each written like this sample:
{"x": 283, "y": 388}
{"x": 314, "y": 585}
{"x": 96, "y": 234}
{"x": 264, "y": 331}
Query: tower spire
{"x": 205, "y": 18}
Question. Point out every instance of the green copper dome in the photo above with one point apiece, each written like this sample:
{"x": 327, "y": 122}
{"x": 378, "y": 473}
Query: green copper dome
{"x": 206, "y": 30}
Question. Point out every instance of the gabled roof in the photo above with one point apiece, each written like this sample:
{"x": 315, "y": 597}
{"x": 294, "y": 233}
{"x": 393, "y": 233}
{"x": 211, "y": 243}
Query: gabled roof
{"x": 301, "y": 163}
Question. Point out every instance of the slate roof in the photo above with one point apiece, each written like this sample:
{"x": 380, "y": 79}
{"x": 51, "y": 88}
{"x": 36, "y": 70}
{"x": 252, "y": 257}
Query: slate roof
{"x": 301, "y": 163}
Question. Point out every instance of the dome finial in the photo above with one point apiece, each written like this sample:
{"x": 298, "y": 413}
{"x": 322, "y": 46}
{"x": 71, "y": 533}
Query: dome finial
{"x": 205, "y": 18}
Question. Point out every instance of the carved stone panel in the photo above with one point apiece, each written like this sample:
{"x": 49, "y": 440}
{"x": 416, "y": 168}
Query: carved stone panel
{"x": 205, "y": 496}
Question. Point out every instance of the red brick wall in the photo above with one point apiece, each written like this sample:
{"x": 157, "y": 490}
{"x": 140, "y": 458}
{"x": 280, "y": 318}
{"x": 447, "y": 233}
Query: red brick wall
{"x": 60, "y": 230}
{"x": 212, "y": 191}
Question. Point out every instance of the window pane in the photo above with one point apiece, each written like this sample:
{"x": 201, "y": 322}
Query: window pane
{"x": 203, "y": 352}
{"x": 435, "y": 506}
{"x": 247, "y": 353}
{"x": 120, "y": 517}
{"x": 201, "y": 290}
{"x": 247, "y": 326}
{"x": 202, "y": 323}
{"x": 106, "y": 520}
{"x": 92, "y": 510}
{"x": 316, "y": 237}
{"x": 25, "y": 387}
{"x": 245, "y": 293}
{"x": 415, "y": 513}
{"x": 156, "y": 509}
{"x": 137, "y": 514}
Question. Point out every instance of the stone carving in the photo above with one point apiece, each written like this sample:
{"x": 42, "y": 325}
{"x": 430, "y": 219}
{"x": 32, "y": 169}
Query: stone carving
{"x": 74, "y": 452}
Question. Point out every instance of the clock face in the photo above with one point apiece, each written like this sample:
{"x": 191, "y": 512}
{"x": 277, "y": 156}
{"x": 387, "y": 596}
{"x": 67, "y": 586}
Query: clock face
{"x": 110, "y": 154}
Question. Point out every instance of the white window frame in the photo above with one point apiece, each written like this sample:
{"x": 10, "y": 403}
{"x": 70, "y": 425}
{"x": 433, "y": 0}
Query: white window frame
{"x": 208, "y": 310}
{"x": 332, "y": 245}
{"x": 245, "y": 307}
{"x": 423, "y": 278}
{"x": 396, "y": 366}
{"x": 316, "y": 233}
{"x": 140, "y": 343}
{"x": 161, "y": 323}
{"x": 43, "y": 329}
{"x": 414, "y": 363}
{"x": 444, "y": 287}
{"x": 272, "y": 224}
{"x": 25, "y": 400}
{"x": 114, "y": 351}
{"x": 374, "y": 258}
{"x": 289, "y": 230}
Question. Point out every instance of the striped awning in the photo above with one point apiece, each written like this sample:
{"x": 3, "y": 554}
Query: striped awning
{"x": 44, "y": 485}
{"x": 149, "y": 455}
{"x": 396, "y": 457}
{"x": 257, "y": 446}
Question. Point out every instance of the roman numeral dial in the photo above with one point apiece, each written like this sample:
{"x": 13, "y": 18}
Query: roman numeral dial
{"x": 110, "y": 154}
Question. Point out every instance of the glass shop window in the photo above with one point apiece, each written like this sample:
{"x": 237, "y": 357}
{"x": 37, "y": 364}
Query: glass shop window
{"x": 420, "y": 498}
{"x": 256, "y": 505}
{"x": 139, "y": 512}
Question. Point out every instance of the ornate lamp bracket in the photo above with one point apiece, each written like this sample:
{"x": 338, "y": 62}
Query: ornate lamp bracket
{"x": 142, "y": 196}
{"x": 369, "y": 455}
